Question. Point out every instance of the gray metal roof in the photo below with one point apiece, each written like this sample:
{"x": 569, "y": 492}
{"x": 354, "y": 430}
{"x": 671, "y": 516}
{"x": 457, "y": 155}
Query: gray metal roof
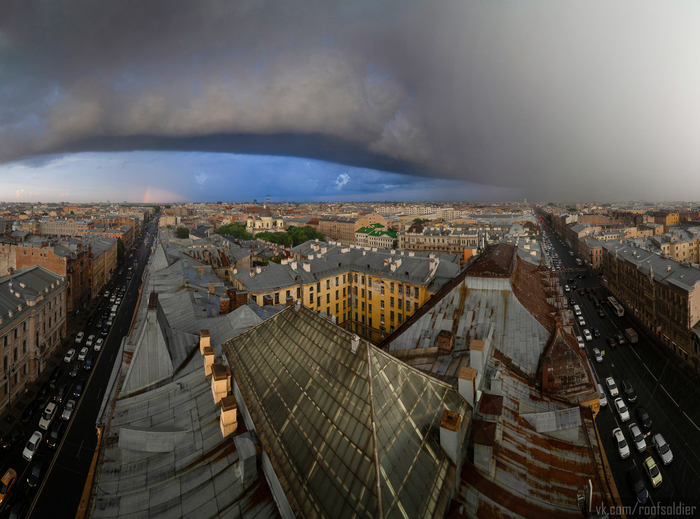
{"x": 21, "y": 287}
{"x": 315, "y": 404}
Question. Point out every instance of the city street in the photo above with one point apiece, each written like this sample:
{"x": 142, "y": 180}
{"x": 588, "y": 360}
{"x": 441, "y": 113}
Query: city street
{"x": 662, "y": 386}
{"x": 60, "y": 487}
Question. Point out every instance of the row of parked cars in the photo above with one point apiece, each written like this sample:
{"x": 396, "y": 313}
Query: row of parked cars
{"x": 639, "y": 438}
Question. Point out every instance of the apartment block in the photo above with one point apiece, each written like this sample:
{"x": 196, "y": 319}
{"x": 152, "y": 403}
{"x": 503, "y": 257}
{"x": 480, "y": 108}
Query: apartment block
{"x": 418, "y": 238}
{"x": 32, "y": 324}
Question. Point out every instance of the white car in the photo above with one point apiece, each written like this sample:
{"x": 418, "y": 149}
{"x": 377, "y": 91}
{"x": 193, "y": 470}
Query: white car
{"x": 597, "y": 355}
{"x": 622, "y": 446}
{"x": 32, "y": 446}
{"x": 612, "y": 387}
{"x": 99, "y": 343}
{"x": 581, "y": 321}
{"x": 69, "y": 355}
{"x": 83, "y": 353}
{"x": 581, "y": 344}
{"x": 90, "y": 340}
{"x": 79, "y": 337}
{"x": 47, "y": 416}
{"x": 587, "y": 335}
{"x": 622, "y": 409}
{"x": 637, "y": 437}
{"x": 663, "y": 449}
{"x": 566, "y": 288}
{"x": 68, "y": 410}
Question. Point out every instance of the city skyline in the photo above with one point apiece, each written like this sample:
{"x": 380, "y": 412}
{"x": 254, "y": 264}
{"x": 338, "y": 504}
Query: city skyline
{"x": 475, "y": 101}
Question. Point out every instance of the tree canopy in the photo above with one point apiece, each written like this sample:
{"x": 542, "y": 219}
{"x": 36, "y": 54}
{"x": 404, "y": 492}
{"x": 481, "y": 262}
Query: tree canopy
{"x": 183, "y": 232}
{"x": 236, "y": 230}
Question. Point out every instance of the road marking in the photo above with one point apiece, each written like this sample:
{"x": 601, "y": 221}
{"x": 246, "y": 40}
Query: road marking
{"x": 672, "y": 400}
{"x": 688, "y": 417}
{"x": 652, "y": 375}
{"x": 640, "y": 360}
{"x": 80, "y": 448}
{"x": 100, "y": 393}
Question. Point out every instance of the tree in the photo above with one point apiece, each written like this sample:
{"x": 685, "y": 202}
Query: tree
{"x": 420, "y": 220}
{"x": 182, "y": 232}
{"x": 395, "y": 244}
{"x": 156, "y": 209}
{"x": 236, "y": 230}
{"x": 121, "y": 250}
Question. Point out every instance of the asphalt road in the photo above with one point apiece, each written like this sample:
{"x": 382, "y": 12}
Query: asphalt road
{"x": 662, "y": 386}
{"x": 58, "y": 494}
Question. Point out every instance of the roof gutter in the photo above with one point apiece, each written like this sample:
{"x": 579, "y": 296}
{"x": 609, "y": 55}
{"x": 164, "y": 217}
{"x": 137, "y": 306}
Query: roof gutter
{"x": 374, "y": 435}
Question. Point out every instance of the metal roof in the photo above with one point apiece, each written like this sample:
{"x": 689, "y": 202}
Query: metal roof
{"x": 331, "y": 420}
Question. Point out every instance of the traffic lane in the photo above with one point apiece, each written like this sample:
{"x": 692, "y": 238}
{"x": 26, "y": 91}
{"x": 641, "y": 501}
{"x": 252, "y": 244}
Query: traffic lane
{"x": 69, "y": 473}
{"x": 665, "y": 420}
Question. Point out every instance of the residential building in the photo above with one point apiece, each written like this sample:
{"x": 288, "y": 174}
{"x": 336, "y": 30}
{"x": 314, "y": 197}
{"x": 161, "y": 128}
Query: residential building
{"x": 103, "y": 264}
{"x": 368, "y": 292}
{"x": 375, "y": 235}
{"x": 420, "y": 238}
{"x": 342, "y": 229}
{"x": 591, "y": 251}
{"x": 32, "y": 324}
{"x": 662, "y": 293}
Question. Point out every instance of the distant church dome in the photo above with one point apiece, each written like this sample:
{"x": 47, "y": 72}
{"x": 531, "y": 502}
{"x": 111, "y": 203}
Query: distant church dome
{"x": 17, "y": 226}
{"x": 265, "y": 213}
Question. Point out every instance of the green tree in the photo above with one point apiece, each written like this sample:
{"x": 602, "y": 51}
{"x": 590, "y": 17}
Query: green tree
{"x": 121, "y": 251}
{"x": 236, "y": 230}
{"x": 182, "y": 232}
{"x": 395, "y": 244}
{"x": 156, "y": 209}
{"x": 420, "y": 220}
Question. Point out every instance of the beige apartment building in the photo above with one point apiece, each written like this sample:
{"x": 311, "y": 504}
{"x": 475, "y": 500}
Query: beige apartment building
{"x": 32, "y": 324}
{"x": 342, "y": 228}
{"x": 451, "y": 241}
{"x": 662, "y": 293}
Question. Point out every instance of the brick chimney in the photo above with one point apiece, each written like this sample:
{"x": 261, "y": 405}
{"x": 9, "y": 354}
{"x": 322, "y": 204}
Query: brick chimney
{"x": 208, "y": 353}
{"x": 228, "y": 420}
{"x": 450, "y": 437}
{"x": 467, "y": 384}
{"x": 204, "y": 338}
{"x": 289, "y": 301}
{"x": 240, "y": 299}
{"x": 211, "y": 288}
{"x": 444, "y": 342}
{"x": 220, "y": 381}
{"x": 268, "y": 300}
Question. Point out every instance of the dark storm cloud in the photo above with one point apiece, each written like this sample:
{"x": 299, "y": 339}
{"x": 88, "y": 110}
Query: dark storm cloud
{"x": 554, "y": 97}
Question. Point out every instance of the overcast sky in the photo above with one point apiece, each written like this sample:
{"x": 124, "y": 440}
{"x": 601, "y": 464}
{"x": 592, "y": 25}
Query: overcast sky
{"x": 347, "y": 100}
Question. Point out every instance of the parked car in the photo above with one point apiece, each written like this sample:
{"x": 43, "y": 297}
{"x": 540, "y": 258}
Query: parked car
{"x": 37, "y": 472}
{"x": 83, "y": 353}
{"x": 596, "y": 332}
{"x": 61, "y": 393}
{"x": 90, "y": 340}
{"x": 643, "y": 417}
{"x": 75, "y": 369}
{"x": 47, "y": 416}
{"x": 612, "y": 387}
{"x": 581, "y": 344}
{"x": 79, "y": 337}
{"x": 12, "y": 438}
{"x": 620, "y": 339}
{"x": 622, "y": 447}
{"x": 628, "y": 390}
{"x": 43, "y": 392}
{"x": 68, "y": 410}
{"x": 99, "y": 343}
{"x": 6, "y": 484}
{"x": 622, "y": 409}
{"x": 32, "y": 446}
{"x": 69, "y": 355}
{"x": 587, "y": 335}
{"x": 637, "y": 484}
{"x": 88, "y": 363}
{"x": 663, "y": 449}
{"x": 29, "y": 411}
{"x": 637, "y": 437}
{"x": 597, "y": 355}
{"x": 581, "y": 321}
{"x": 611, "y": 342}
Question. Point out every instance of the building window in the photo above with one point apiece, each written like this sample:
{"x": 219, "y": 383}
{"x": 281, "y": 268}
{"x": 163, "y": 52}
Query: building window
{"x": 391, "y": 287}
{"x": 400, "y": 303}
{"x": 363, "y": 292}
{"x": 328, "y": 284}
{"x": 337, "y": 308}
{"x": 318, "y": 301}
{"x": 345, "y": 302}
{"x": 328, "y": 298}
{"x": 369, "y": 321}
{"x": 344, "y": 278}
{"x": 298, "y": 292}
{"x": 381, "y": 305}
{"x": 391, "y": 302}
{"x": 417, "y": 292}
{"x": 400, "y": 318}
{"x": 337, "y": 296}
{"x": 363, "y": 306}
{"x": 391, "y": 315}
{"x": 369, "y": 294}
{"x": 344, "y": 292}
{"x": 381, "y": 318}
{"x": 408, "y": 306}
{"x": 336, "y": 281}
{"x": 391, "y": 329}
{"x": 381, "y": 291}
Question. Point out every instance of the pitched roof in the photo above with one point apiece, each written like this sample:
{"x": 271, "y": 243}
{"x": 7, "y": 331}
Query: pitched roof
{"x": 315, "y": 404}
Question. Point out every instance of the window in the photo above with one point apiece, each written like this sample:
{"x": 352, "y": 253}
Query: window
{"x": 363, "y": 292}
{"x": 391, "y": 287}
{"x": 318, "y": 286}
{"x": 344, "y": 292}
{"x": 328, "y": 298}
{"x": 382, "y": 290}
{"x": 391, "y": 302}
{"x": 400, "y": 303}
{"x": 369, "y": 321}
{"x": 400, "y": 289}
{"x": 381, "y": 305}
{"x": 311, "y": 288}
{"x": 363, "y": 319}
{"x": 277, "y": 298}
{"x": 24, "y": 346}
{"x": 16, "y": 328}
{"x": 363, "y": 280}
{"x": 328, "y": 284}
{"x": 344, "y": 278}
{"x": 318, "y": 301}
{"x": 391, "y": 315}
{"x": 417, "y": 292}
{"x": 298, "y": 292}
{"x": 381, "y": 318}
{"x": 356, "y": 316}
{"x": 345, "y": 302}
{"x": 363, "y": 306}
{"x": 391, "y": 329}
{"x": 336, "y": 281}
{"x": 311, "y": 300}
{"x": 15, "y": 351}
{"x": 369, "y": 294}
{"x": 408, "y": 306}
{"x": 288, "y": 293}
{"x": 337, "y": 308}
{"x": 328, "y": 311}
{"x": 400, "y": 318}
{"x": 337, "y": 296}
{"x": 369, "y": 308}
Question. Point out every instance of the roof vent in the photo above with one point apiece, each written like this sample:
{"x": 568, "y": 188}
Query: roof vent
{"x": 354, "y": 343}
{"x": 297, "y": 305}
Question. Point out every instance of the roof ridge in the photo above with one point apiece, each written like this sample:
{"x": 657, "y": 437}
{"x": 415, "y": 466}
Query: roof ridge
{"x": 374, "y": 430}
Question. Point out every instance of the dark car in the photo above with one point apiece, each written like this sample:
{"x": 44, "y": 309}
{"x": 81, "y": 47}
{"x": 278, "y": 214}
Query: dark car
{"x": 56, "y": 434}
{"x": 601, "y": 313}
{"x": 572, "y": 302}
{"x": 596, "y": 332}
{"x": 43, "y": 392}
{"x": 29, "y": 411}
{"x": 55, "y": 375}
{"x": 581, "y": 292}
{"x": 590, "y": 296}
{"x": 19, "y": 509}
{"x": 37, "y": 472}
{"x": 635, "y": 479}
{"x": 628, "y": 390}
{"x": 105, "y": 330}
{"x": 79, "y": 388}
{"x": 620, "y": 339}
{"x": 596, "y": 304}
{"x": 594, "y": 290}
{"x": 14, "y": 437}
{"x": 61, "y": 393}
{"x": 89, "y": 361}
{"x": 99, "y": 323}
{"x": 643, "y": 417}
{"x": 611, "y": 342}
{"x": 89, "y": 321}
